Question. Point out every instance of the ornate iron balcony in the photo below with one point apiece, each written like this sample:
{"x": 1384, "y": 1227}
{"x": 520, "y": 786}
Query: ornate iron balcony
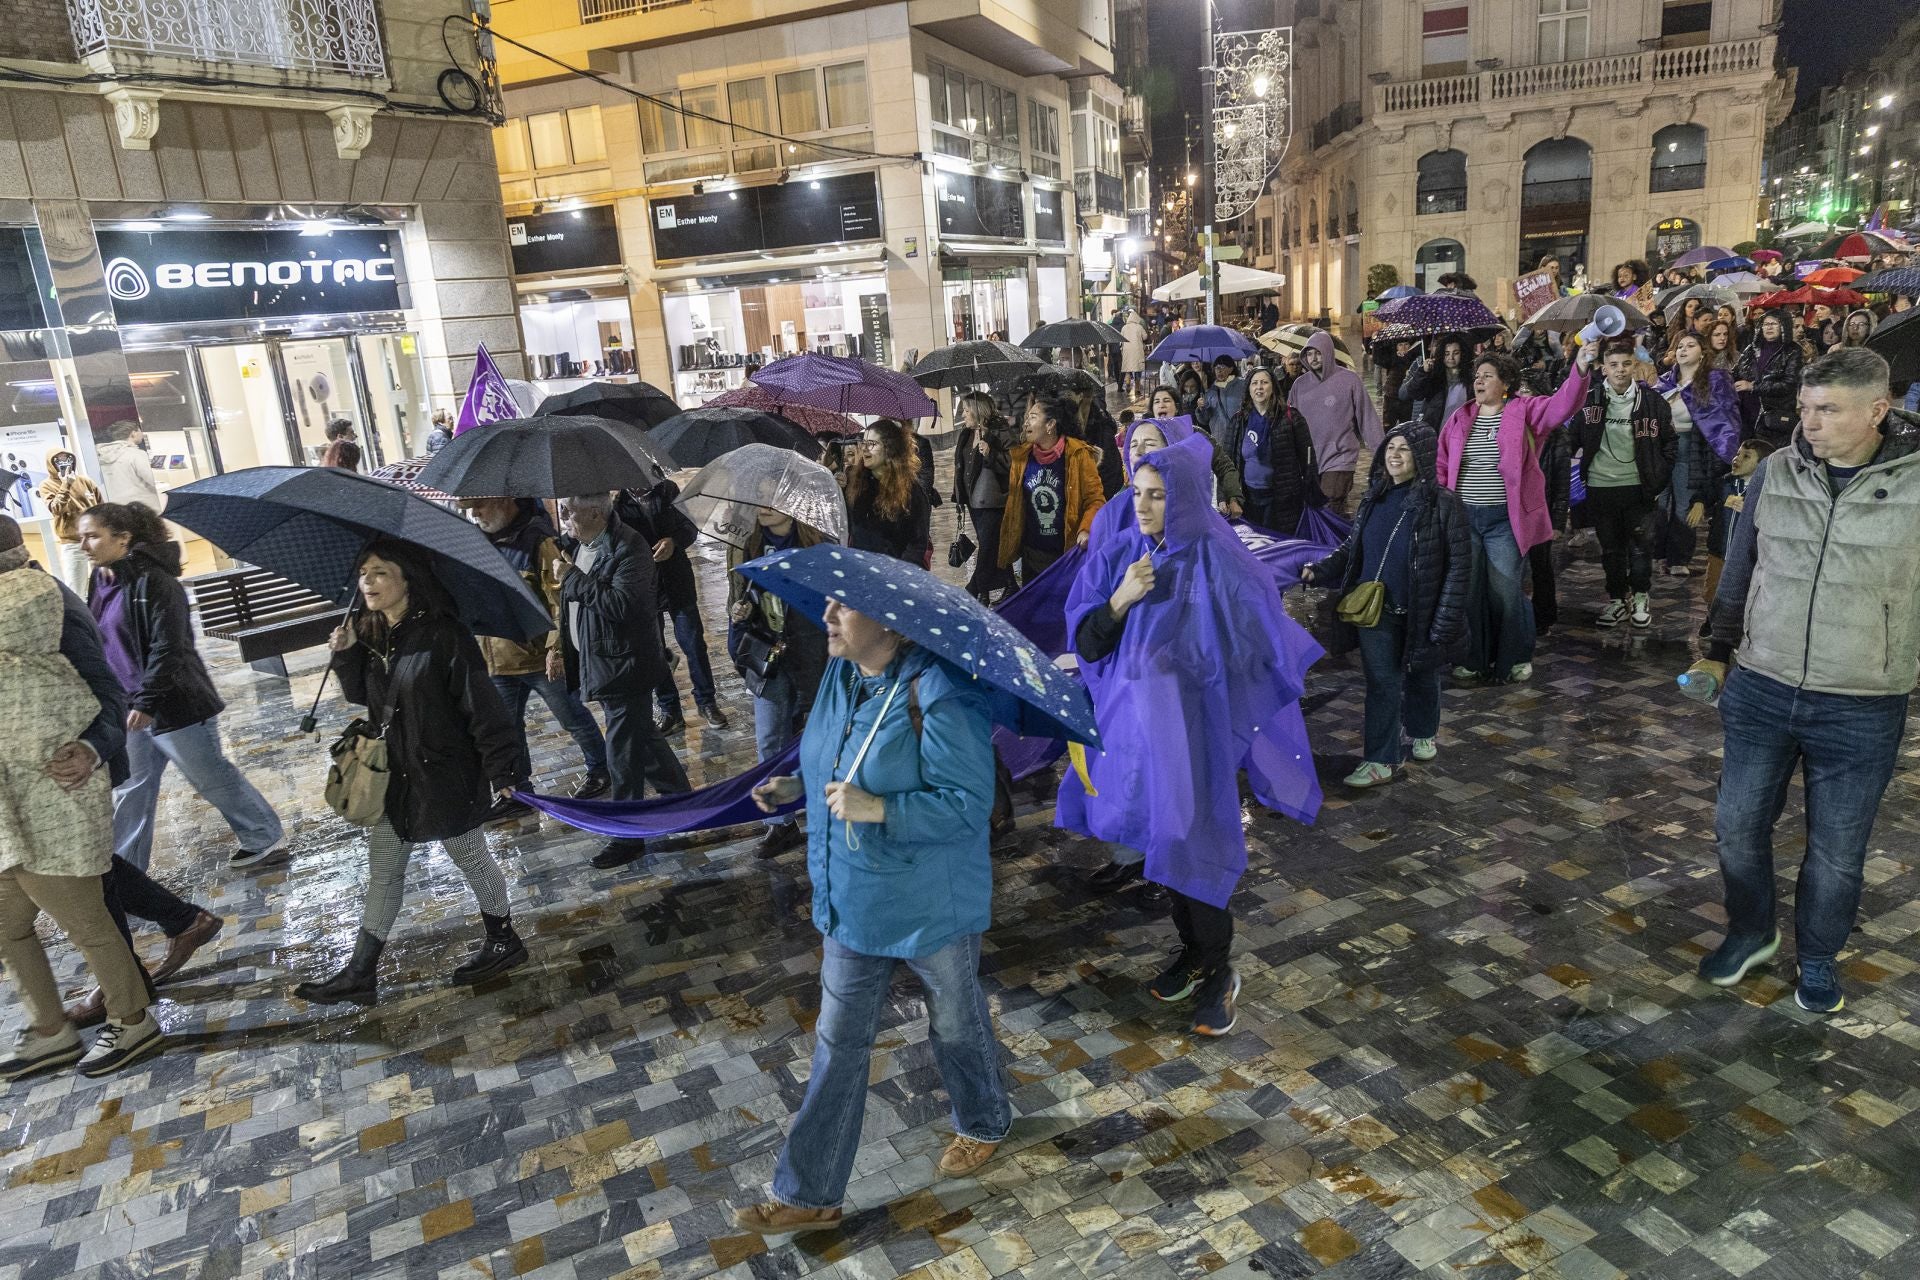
{"x": 337, "y": 36}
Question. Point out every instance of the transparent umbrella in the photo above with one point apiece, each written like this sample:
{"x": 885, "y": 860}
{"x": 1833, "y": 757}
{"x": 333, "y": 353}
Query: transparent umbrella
{"x": 724, "y": 497}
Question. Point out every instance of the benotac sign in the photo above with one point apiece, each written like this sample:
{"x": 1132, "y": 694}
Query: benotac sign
{"x": 171, "y": 276}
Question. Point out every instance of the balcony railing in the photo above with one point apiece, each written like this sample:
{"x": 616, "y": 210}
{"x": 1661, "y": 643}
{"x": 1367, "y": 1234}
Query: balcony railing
{"x": 1441, "y": 200}
{"x": 292, "y": 35}
{"x": 1544, "y": 195}
{"x": 1342, "y": 118}
{"x": 601, "y": 10}
{"x": 1591, "y": 75}
{"x": 1678, "y": 177}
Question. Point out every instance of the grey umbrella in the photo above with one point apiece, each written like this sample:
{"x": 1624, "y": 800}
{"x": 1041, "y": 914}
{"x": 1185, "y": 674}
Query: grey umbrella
{"x": 724, "y": 498}
{"x": 1712, "y": 294}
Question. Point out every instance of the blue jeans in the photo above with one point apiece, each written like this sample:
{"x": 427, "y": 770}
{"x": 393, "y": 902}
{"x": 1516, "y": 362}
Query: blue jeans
{"x": 1845, "y": 747}
{"x": 1394, "y": 694}
{"x": 692, "y": 635}
{"x": 196, "y": 749}
{"x": 818, "y": 1157}
{"x": 567, "y": 709}
{"x": 1507, "y": 570}
{"x": 776, "y": 723}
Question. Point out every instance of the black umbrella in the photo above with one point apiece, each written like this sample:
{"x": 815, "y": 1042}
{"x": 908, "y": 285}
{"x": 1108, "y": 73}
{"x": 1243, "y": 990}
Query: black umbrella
{"x": 546, "y": 458}
{"x": 1051, "y": 379}
{"x": 639, "y": 404}
{"x": 1898, "y": 339}
{"x": 1073, "y": 333}
{"x": 698, "y": 436}
{"x": 968, "y": 364}
{"x": 311, "y": 523}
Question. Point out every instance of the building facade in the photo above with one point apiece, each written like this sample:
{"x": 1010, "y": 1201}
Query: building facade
{"x": 1438, "y": 135}
{"x": 235, "y": 221}
{"x": 755, "y": 179}
{"x": 1854, "y": 149}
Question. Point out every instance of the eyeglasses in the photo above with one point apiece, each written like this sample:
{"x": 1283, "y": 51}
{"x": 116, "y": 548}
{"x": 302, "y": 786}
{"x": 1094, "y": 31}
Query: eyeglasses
{"x": 871, "y": 444}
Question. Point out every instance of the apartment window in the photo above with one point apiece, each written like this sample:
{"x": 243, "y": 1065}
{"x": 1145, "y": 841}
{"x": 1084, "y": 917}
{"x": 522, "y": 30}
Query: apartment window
{"x": 703, "y": 124}
{"x": 1442, "y": 184}
{"x": 847, "y": 95}
{"x": 660, "y": 123}
{"x": 1563, "y": 30}
{"x": 799, "y": 95}
{"x": 586, "y": 136}
{"x": 1444, "y": 48}
{"x": 510, "y": 150}
{"x": 1043, "y": 138}
{"x": 549, "y": 133}
{"x": 747, "y": 108}
{"x": 1685, "y": 22}
{"x": 668, "y": 124}
{"x": 973, "y": 120}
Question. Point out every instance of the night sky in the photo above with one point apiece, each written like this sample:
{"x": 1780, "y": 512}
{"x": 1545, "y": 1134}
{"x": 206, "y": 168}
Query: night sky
{"x": 1819, "y": 46}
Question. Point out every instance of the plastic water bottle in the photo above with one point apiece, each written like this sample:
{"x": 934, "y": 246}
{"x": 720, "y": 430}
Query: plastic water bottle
{"x": 1701, "y": 686}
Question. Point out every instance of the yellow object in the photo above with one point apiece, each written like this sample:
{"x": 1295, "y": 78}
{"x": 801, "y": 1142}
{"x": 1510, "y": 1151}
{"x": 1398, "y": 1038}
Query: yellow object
{"x": 1078, "y": 754}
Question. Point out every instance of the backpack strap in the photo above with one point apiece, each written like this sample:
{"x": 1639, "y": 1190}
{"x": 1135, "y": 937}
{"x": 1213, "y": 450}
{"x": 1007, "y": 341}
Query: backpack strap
{"x": 913, "y": 708}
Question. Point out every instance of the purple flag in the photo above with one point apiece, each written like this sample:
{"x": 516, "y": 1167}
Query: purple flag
{"x": 721, "y": 804}
{"x": 489, "y": 398}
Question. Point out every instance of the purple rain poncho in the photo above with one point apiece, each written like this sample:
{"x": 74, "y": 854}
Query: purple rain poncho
{"x": 1117, "y": 515}
{"x": 1204, "y": 664}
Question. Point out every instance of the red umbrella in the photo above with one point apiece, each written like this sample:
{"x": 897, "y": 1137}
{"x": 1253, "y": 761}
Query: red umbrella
{"x": 1765, "y": 255}
{"x": 1858, "y": 244}
{"x": 818, "y": 422}
{"x": 1809, "y": 297}
{"x": 1833, "y": 276}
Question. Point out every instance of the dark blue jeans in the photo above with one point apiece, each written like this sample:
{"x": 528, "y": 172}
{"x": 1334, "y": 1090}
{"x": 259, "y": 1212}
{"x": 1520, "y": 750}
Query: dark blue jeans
{"x": 692, "y": 635}
{"x": 1845, "y": 747}
{"x": 1506, "y": 569}
{"x": 1395, "y": 696}
{"x": 567, "y": 709}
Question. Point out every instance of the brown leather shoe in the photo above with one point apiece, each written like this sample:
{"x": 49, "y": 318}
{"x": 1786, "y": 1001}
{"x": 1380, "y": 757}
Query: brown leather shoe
{"x": 964, "y": 1155}
{"x": 90, "y": 1011}
{"x": 181, "y": 946}
{"x": 771, "y": 1218}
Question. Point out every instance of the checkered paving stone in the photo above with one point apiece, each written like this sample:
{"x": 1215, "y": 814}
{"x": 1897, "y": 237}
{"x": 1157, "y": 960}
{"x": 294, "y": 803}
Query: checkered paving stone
{"x": 1470, "y": 1044}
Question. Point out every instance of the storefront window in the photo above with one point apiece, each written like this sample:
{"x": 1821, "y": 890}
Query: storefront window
{"x": 319, "y": 377}
{"x": 397, "y": 393}
{"x": 244, "y": 406}
{"x": 989, "y": 303}
{"x": 713, "y": 338}
{"x": 30, "y": 425}
{"x": 579, "y": 333}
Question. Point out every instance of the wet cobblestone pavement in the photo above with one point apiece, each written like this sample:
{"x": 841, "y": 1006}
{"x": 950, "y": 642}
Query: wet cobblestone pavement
{"x": 1471, "y": 1042}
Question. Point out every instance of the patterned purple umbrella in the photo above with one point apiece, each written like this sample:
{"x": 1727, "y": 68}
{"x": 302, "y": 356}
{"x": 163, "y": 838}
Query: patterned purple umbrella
{"x": 1702, "y": 256}
{"x": 1439, "y": 313}
{"x": 845, "y": 385}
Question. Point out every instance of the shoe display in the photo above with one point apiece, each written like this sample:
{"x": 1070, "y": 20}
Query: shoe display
{"x": 181, "y": 946}
{"x": 248, "y": 858}
{"x": 1734, "y": 956}
{"x": 1115, "y": 875}
{"x": 591, "y": 786}
{"x": 355, "y": 983}
{"x": 1371, "y": 773}
{"x": 1819, "y": 988}
{"x": 618, "y": 853}
{"x": 33, "y": 1054}
{"x": 122, "y": 1044}
{"x": 1612, "y": 615}
{"x": 771, "y": 1218}
{"x": 1177, "y": 980}
{"x": 715, "y": 718}
{"x": 964, "y": 1155}
{"x": 1216, "y": 1014}
{"x": 778, "y": 839}
{"x": 499, "y": 951}
{"x": 1425, "y": 749}
{"x": 1642, "y": 613}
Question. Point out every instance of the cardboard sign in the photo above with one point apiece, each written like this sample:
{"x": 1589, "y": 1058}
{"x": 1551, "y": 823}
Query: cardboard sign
{"x": 1533, "y": 292}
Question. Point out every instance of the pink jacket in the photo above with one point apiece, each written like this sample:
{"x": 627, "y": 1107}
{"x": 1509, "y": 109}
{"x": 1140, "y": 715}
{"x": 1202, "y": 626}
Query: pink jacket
{"x": 1523, "y": 422}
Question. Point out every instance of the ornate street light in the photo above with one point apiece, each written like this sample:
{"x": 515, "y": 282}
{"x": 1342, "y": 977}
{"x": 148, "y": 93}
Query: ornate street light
{"x": 1252, "y": 115}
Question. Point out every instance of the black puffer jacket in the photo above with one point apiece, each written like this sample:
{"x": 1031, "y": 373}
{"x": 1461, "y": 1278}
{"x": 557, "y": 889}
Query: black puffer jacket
{"x": 450, "y": 744}
{"x": 1425, "y": 391}
{"x": 980, "y": 480}
{"x": 1287, "y": 448}
{"x": 1776, "y": 387}
{"x": 1652, "y": 428}
{"x": 175, "y": 688}
{"x": 1441, "y": 553}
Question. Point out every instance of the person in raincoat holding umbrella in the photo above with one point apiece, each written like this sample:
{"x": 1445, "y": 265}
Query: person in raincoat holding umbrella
{"x": 1188, "y": 654}
{"x": 896, "y": 767}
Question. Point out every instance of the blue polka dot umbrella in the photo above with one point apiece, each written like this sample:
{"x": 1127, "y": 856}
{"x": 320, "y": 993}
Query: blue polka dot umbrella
{"x": 1034, "y": 697}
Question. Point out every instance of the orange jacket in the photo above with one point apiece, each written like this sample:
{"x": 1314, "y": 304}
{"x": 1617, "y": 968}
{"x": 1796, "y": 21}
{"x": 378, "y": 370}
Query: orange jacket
{"x": 1084, "y": 496}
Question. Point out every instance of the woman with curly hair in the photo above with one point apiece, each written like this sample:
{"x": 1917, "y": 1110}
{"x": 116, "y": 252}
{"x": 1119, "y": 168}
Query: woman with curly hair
{"x": 887, "y": 510}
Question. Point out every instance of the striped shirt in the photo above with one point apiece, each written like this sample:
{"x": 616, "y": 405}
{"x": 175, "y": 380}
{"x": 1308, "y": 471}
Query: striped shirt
{"x": 1480, "y": 482}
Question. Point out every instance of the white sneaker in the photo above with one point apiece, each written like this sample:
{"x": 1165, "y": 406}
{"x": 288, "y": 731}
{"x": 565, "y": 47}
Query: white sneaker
{"x": 1613, "y": 615}
{"x": 1679, "y": 571}
{"x": 1371, "y": 773}
{"x": 1642, "y": 615}
{"x": 1425, "y": 748}
{"x": 1520, "y": 673}
{"x": 1465, "y": 673}
{"x": 33, "y": 1054}
{"x": 121, "y": 1044}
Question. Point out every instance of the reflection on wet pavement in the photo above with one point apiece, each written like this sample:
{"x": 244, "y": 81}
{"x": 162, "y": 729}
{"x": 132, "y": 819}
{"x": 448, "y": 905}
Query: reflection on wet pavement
{"x": 1471, "y": 1043}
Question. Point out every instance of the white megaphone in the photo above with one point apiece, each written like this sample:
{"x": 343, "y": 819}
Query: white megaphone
{"x": 1607, "y": 322}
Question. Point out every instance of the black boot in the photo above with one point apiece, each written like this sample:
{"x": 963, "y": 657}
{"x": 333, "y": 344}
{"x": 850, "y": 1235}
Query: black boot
{"x": 354, "y": 983}
{"x": 501, "y": 951}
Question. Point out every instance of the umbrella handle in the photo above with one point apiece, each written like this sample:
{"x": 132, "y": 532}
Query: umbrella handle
{"x": 310, "y": 722}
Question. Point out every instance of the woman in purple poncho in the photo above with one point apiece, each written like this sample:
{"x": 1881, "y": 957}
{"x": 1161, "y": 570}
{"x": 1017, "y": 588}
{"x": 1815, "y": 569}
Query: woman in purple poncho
{"x": 1188, "y": 655}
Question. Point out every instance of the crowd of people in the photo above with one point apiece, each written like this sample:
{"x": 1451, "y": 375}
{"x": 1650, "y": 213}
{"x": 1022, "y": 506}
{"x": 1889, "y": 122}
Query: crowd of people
{"x": 1793, "y": 460}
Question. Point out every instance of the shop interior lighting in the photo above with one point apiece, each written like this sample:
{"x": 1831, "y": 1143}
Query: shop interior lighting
{"x": 189, "y": 215}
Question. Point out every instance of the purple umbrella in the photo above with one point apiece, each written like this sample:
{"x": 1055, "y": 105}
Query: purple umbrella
{"x": 1433, "y": 313}
{"x": 845, "y": 385}
{"x": 1702, "y": 256}
{"x": 1203, "y": 342}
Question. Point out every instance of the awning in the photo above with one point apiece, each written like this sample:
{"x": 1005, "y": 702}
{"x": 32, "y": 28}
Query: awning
{"x": 1233, "y": 279}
